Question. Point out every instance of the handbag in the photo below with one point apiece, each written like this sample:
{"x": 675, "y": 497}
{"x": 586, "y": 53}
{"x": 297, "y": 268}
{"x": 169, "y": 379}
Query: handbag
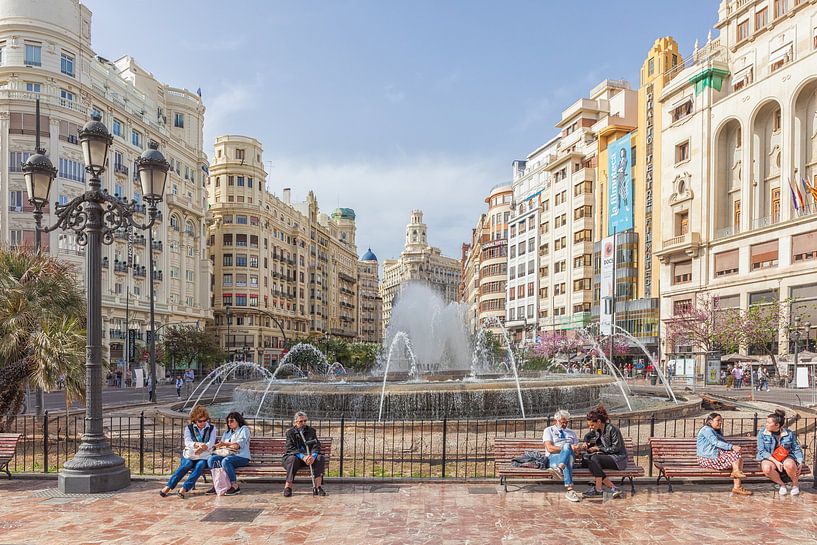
{"x": 190, "y": 454}
{"x": 221, "y": 482}
{"x": 780, "y": 453}
{"x": 225, "y": 451}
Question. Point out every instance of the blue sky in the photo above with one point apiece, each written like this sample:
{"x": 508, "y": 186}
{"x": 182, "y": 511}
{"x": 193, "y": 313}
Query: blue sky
{"x": 387, "y": 106}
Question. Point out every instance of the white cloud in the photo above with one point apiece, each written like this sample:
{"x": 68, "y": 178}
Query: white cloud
{"x": 233, "y": 97}
{"x": 449, "y": 190}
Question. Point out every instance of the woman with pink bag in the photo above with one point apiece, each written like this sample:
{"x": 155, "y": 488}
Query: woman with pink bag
{"x": 231, "y": 452}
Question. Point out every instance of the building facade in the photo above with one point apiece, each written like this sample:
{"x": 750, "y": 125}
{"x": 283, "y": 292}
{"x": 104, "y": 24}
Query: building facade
{"x": 739, "y": 219}
{"x": 419, "y": 262}
{"x": 46, "y": 54}
{"x": 370, "y": 315}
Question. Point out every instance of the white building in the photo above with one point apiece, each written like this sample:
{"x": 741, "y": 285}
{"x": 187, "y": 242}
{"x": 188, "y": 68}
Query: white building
{"x": 739, "y": 135}
{"x": 45, "y": 53}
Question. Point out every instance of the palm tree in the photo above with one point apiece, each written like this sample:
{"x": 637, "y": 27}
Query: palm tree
{"x": 42, "y": 327}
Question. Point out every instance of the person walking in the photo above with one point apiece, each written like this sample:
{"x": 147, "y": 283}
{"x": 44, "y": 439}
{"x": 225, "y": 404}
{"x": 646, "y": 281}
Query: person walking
{"x": 179, "y": 384}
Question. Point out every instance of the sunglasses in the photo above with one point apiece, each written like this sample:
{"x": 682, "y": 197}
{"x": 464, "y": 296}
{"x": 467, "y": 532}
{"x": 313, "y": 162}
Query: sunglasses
{"x": 201, "y": 420}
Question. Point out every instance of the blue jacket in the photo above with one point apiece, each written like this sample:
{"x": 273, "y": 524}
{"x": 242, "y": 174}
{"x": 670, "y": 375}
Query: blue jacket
{"x": 710, "y": 441}
{"x": 766, "y": 443}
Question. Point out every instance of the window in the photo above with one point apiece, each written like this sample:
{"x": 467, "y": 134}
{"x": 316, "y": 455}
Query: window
{"x": 682, "y": 152}
{"x": 682, "y": 272}
{"x": 761, "y": 18}
{"x": 239, "y": 181}
{"x": 726, "y": 263}
{"x": 67, "y": 64}
{"x": 743, "y": 30}
{"x": 775, "y": 205}
{"x": 585, "y": 211}
{"x": 190, "y": 276}
{"x": 242, "y": 220}
{"x": 559, "y": 289}
{"x": 136, "y": 138}
{"x": 239, "y": 154}
{"x": 682, "y": 111}
{"x": 780, "y": 8}
{"x": 736, "y": 215}
{"x": 33, "y": 55}
{"x": 117, "y": 128}
{"x": 651, "y": 66}
{"x": 764, "y": 255}
{"x": 253, "y": 299}
{"x": 227, "y": 260}
{"x": 71, "y": 170}
{"x": 583, "y": 284}
{"x": 15, "y": 201}
{"x": 33, "y": 87}
{"x": 559, "y": 267}
{"x": 584, "y": 260}
{"x": 240, "y": 260}
{"x": 804, "y": 246}
{"x": 681, "y": 306}
{"x": 681, "y": 223}
{"x": 227, "y": 280}
{"x": 227, "y": 300}
{"x": 66, "y": 97}
{"x": 178, "y": 120}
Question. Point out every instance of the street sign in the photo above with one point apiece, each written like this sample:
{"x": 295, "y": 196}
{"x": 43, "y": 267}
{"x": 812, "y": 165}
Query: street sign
{"x": 131, "y": 344}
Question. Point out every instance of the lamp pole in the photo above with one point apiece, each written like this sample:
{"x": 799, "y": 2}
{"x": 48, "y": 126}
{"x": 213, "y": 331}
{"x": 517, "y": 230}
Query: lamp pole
{"x": 151, "y": 287}
{"x": 94, "y": 217}
{"x": 228, "y": 311}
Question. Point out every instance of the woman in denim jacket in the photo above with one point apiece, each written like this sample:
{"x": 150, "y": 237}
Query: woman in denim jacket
{"x": 714, "y": 452}
{"x": 775, "y": 435}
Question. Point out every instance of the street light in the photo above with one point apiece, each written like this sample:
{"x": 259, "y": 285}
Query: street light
{"x": 94, "y": 217}
{"x": 278, "y": 323}
{"x": 228, "y": 311}
{"x": 39, "y": 173}
{"x": 152, "y": 168}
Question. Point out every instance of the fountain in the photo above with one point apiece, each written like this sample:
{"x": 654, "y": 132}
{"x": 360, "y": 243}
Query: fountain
{"x": 224, "y": 371}
{"x": 428, "y": 370}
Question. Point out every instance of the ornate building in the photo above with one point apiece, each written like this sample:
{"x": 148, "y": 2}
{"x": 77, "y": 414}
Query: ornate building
{"x": 47, "y": 55}
{"x": 419, "y": 262}
{"x": 370, "y": 315}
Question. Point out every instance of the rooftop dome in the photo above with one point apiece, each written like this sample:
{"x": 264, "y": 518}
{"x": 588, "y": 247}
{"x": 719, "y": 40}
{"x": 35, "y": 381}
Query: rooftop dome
{"x": 344, "y": 213}
{"x": 369, "y": 256}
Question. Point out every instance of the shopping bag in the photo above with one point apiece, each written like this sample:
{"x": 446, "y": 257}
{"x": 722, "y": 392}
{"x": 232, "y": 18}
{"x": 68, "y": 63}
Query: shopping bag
{"x": 221, "y": 481}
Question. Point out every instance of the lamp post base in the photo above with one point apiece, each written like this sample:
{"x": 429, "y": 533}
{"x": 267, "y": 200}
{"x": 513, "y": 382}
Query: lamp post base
{"x": 94, "y": 475}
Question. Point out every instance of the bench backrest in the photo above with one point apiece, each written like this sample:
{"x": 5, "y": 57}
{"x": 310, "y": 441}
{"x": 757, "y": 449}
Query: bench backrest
{"x": 508, "y": 448}
{"x": 682, "y": 451}
{"x": 268, "y": 450}
{"x": 8, "y": 445}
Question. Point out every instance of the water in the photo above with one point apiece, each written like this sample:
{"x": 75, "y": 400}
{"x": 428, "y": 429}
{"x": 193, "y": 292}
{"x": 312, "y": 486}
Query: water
{"x": 322, "y": 365}
{"x": 497, "y": 323}
{"x": 400, "y": 336}
{"x": 223, "y": 371}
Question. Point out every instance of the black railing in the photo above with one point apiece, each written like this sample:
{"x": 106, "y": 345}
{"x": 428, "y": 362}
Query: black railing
{"x": 404, "y": 449}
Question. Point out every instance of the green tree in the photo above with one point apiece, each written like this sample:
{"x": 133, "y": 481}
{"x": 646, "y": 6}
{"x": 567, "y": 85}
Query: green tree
{"x": 42, "y": 327}
{"x": 184, "y": 346}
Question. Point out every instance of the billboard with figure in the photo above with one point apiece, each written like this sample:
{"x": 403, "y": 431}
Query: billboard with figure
{"x": 620, "y": 194}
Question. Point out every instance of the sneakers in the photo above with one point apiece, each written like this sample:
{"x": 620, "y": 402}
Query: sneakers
{"x": 615, "y": 492}
{"x": 232, "y": 491}
{"x": 572, "y": 496}
{"x": 557, "y": 472}
{"x": 287, "y": 492}
{"x": 795, "y": 490}
{"x": 319, "y": 491}
{"x": 593, "y": 493}
{"x": 740, "y": 491}
{"x": 783, "y": 491}
{"x": 211, "y": 491}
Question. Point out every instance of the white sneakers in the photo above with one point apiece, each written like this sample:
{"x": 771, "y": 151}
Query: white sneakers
{"x": 572, "y": 496}
{"x": 795, "y": 491}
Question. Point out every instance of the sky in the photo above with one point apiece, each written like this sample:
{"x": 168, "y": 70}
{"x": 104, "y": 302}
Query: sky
{"x": 386, "y": 106}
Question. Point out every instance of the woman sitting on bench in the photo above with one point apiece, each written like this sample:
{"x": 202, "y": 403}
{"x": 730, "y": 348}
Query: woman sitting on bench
{"x": 714, "y": 452}
{"x": 604, "y": 450}
{"x": 779, "y": 453}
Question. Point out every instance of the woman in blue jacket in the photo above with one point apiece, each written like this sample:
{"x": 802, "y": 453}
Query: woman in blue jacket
{"x": 785, "y": 466}
{"x": 714, "y": 452}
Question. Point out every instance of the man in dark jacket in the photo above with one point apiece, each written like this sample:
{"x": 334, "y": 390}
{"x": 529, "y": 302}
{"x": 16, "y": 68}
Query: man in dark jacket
{"x": 303, "y": 450}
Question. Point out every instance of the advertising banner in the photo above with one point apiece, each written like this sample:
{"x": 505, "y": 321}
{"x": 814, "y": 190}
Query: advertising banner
{"x": 608, "y": 257}
{"x": 620, "y": 194}
{"x": 713, "y": 369}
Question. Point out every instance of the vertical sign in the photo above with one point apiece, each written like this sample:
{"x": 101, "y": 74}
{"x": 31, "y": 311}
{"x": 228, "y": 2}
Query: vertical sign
{"x": 608, "y": 253}
{"x": 131, "y": 344}
{"x": 620, "y": 182}
{"x": 130, "y": 246}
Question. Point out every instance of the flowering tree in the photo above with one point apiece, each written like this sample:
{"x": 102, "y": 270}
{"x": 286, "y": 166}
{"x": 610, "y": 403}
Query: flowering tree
{"x": 620, "y": 347}
{"x": 554, "y": 344}
{"x": 761, "y": 324}
{"x": 706, "y": 327}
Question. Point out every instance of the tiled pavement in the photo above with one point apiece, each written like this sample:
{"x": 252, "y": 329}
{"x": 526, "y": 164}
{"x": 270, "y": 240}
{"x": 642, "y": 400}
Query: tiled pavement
{"x": 31, "y": 512}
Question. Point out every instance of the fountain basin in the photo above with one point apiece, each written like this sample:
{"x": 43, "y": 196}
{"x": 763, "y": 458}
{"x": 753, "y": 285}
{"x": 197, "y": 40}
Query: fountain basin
{"x": 423, "y": 399}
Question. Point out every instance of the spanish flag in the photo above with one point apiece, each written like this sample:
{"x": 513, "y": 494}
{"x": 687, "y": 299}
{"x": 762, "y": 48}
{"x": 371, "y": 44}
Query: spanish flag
{"x": 812, "y": 188}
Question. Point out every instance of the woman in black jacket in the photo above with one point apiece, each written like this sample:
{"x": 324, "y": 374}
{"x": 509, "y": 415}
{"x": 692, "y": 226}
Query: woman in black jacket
{"x": 605, "y": 450}
{"x": 302, "y": 450}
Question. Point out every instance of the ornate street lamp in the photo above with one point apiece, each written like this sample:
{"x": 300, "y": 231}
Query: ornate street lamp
{"x": 152, "y": 168}
{"x": 93, "y": 217}
{"x": 228, "y": 311}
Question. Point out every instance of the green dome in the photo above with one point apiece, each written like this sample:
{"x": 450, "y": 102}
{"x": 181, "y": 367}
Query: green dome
{"x": 344, "y": 213}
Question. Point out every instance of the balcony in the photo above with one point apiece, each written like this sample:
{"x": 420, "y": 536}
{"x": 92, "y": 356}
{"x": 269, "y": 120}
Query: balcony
{"x": 688, "y": 244}
{"x": 120, "y": 170}
{"x": 158, "y": 246}
{"x": 120, "y": 267}
{"x": 158, "y": 276}
{"x": 139, "y": 271}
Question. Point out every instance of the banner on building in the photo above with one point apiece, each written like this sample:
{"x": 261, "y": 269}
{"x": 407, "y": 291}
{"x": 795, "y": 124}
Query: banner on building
{"x": 620, "y": 194}
{"x": 131, "y": 344}
{"x": 608, "y": 257}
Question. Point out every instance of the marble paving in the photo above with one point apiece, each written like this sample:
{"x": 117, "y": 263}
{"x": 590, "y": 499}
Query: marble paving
{"x": 434, "y": 513}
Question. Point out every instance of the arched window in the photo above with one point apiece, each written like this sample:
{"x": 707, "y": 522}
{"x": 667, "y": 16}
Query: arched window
{"x": 189, "y": 228}
{"x": 174, "y": 222}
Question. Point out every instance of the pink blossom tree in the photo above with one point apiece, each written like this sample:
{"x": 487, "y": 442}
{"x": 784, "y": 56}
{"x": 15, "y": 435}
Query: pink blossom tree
{"x": 706, "y": 327}
{"x": 559, "y": 344}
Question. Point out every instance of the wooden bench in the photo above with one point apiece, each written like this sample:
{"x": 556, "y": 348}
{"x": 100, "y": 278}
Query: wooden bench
{"x": 508, "y": 448}
{"x": 677, "y": 458}
{"x": 266, "y": 453}
{"x": 8, "y": 446}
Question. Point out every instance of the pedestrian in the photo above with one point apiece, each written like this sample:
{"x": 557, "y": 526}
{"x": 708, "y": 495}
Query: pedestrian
{"x": 150, "y": 388}
{"x": 737, "y": 376}
{"x": 179, "y": 384}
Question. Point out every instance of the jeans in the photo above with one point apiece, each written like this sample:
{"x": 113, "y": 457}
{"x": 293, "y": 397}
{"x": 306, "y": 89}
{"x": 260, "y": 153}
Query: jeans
{"x": 186, "y": 465}
{"x": 565, "y": 457}
{"x": 228, "y": 463}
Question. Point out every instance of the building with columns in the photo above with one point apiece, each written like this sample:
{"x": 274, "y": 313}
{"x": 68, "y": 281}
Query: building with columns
{"x": 739, "y": 222}
{"x": 46, "y": 54}
{"x": 419, "y": 262}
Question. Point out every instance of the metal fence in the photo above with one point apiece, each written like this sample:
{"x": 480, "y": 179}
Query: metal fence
{"x": 403, "y": 449}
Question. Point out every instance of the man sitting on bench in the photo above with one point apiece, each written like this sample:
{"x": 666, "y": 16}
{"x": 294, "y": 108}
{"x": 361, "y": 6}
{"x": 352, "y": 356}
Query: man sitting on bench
{"x": 303, "y": 450}
{"x": 562, "y": 444}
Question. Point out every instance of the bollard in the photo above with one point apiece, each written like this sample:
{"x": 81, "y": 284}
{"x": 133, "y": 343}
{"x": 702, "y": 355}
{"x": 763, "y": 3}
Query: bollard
{"x": 652, "y": 434}
{"x": 142, "y": 443}
{"x": 445, "y": 435}
{"x": 45, "y": 442}
{"x": 754, "y": 425}
{"x": 342, "y": 426}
